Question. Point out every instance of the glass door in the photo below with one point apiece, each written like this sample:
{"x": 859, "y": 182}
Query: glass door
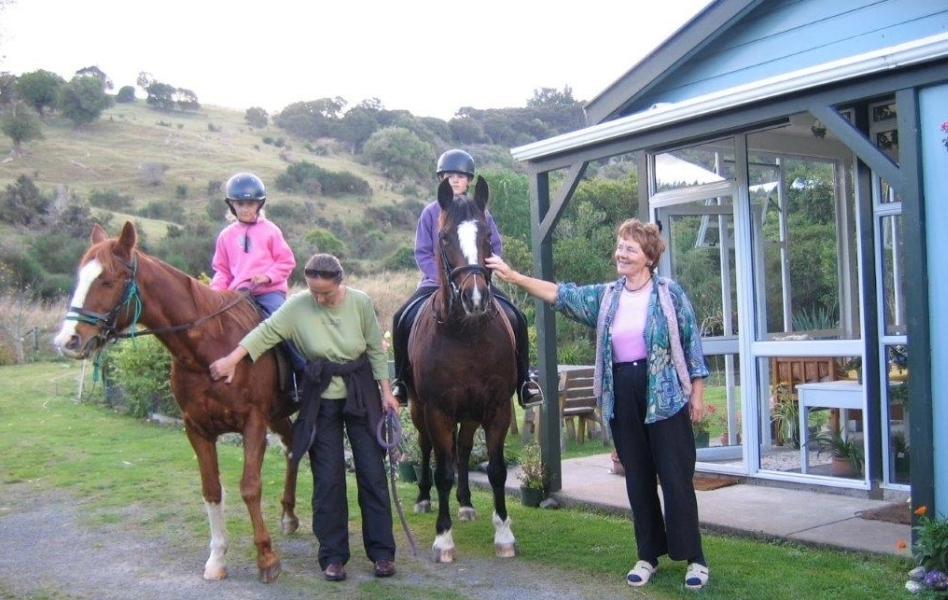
{"x": 698, "y": 226}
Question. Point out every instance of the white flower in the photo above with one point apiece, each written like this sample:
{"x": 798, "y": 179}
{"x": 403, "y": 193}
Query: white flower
{"x": 914, "y": 586}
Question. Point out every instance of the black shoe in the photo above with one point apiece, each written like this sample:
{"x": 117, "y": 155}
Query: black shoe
{"x": 400, "y": 391}
{"x": 530, "y": 394}
{"x": 335, "y": 572}
{"x": 384, "y": 568}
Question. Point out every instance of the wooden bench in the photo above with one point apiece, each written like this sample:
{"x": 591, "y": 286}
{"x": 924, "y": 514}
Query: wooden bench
{"x": 578, "y": 407}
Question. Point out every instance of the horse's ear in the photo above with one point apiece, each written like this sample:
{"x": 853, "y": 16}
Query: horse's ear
{"x": 445, "y": 194}
{"x": 98, "y": 234}
{"x": 129, "y": 237}
{"x": 481, "y": 192}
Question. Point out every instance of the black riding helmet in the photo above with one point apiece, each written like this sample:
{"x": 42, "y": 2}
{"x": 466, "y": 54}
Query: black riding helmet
{"x": 245, "y": 186}
{"x": 456, "y": 160}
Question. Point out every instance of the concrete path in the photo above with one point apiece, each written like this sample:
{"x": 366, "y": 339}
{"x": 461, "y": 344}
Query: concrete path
{"x": 758, "y": 510}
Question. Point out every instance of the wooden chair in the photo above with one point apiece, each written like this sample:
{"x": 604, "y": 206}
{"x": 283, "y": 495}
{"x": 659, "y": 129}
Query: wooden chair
{"x": 578, "y": 408}
{"x": 790, "y": 371}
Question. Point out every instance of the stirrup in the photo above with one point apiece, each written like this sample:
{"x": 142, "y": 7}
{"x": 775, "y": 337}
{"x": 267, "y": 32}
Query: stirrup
{"x": 400, "y": 391}
{"x": 530, "y": 394}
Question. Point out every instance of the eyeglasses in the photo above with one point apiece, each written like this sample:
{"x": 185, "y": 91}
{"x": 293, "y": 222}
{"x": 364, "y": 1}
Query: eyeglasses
{"x": 320, "y": 274}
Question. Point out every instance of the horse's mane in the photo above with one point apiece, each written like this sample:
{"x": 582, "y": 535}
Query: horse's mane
{"x": 463, "y": 208}
{"x": 244, "y": 313}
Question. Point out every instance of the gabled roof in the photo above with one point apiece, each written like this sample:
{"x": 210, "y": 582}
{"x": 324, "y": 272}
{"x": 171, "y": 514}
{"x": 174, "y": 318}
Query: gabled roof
{"x": 685, "y": 43}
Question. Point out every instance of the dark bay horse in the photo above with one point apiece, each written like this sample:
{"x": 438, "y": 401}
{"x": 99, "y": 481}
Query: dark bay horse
{"x": 120, "y": 286}
{"x": 461, "y": 349}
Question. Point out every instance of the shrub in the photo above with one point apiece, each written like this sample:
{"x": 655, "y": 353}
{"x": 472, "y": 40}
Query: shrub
{"x": 139, "y": 371}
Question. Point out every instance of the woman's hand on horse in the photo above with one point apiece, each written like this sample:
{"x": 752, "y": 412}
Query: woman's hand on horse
{"x": 498, "y": 266}
{"x": 224, "y": 368}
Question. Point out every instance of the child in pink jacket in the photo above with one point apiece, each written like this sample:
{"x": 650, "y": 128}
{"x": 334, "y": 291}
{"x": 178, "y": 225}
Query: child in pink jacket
{"x": 251, "y": 252}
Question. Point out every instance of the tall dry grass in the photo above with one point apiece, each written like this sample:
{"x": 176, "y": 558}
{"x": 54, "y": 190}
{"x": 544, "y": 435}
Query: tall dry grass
{"x": 28, "y": 327}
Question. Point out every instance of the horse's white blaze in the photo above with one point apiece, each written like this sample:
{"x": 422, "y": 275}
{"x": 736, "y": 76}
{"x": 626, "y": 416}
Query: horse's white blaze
{"x": 503, "y": 534}
{"x": 87, "y": 275}
{"x": 467, "y": 238}
{"x": 216, "y": 565}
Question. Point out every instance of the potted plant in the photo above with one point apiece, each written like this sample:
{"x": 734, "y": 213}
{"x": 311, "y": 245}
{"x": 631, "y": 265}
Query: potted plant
{"x": 845, "y": 451}
{"x": 900, "y": 455}
{"x": 702, "y": 427}
{"x": 409, "y": 452}
{"x": 533, "y": 476}
{"x": 785, "y": 416}
{"x": 725, "y": 428}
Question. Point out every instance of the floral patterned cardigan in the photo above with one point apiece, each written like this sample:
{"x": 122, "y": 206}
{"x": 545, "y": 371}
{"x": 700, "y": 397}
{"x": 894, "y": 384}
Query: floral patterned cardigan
{"x": 596, "y": 305}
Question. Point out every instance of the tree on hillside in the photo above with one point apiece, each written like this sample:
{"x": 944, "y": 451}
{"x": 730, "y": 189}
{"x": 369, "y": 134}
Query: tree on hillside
{"x": 256, "y": 117}
{"x": 399, "y": 154}
{"x": 98, "y": 74}
{"x": 467, "y": 131}
{"x": 7, "y": 88}
{"x": 311, "y": 120}
{"x": 83, "y": 100}
{"x": 40, "y": 88}
{"x": 21, "y": 203}
{"x": 125, "y": 94}
{"x": 186, "y": 99}
{"x": 161, "y": 95}
{"x": 356, "y": 127}
{"x": 550, "y": 97}
{"x": 20, "y": 123}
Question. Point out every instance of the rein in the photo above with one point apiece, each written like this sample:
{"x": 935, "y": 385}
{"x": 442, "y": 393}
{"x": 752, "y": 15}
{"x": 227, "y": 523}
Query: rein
{"x": 132, "y": 302}
{"x": 389, "y": 436}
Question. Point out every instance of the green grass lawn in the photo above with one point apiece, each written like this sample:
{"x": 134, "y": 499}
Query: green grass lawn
{"x": 54, "y": 442}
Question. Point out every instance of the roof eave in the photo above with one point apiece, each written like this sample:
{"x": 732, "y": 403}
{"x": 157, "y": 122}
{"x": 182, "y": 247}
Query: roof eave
{"x": 893, "y": 57}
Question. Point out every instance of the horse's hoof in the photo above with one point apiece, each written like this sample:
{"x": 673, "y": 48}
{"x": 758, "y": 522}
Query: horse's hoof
{"x": 289, "y": 526}
{"x": 442, "y": 555}
{"x": 215, "y": 573}
{"x": 423, "y": 507}
{"x": 505, "y": 550}
{"x": 270, "y": 574}
{"x": 467, "y": 513}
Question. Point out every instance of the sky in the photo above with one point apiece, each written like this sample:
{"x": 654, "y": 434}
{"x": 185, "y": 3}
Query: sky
{"x": 414, "y": 55}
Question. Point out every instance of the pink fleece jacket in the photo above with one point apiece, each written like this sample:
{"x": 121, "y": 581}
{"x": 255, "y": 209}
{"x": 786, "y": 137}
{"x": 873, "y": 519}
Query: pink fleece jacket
{"x": 244, "y": 250}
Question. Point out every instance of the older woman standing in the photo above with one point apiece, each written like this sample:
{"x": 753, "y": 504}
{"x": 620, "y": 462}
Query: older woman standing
{"x": 336, "y": 328}
{"x": 649, "y": 376}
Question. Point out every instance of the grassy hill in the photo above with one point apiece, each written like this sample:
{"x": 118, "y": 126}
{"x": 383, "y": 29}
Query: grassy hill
{"x": 194, "y": 148}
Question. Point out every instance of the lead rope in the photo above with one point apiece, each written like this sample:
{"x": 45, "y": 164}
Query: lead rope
{"x": 389, "y": 435}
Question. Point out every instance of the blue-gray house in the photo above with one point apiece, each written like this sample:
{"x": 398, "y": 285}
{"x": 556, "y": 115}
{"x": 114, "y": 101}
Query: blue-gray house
{"x": 797, "y": 152}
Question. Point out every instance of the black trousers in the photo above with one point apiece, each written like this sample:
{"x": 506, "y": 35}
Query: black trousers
{"x": 663, "y": 451}
{"x": 404, "y": 318}
{"x": 330, "y": 506}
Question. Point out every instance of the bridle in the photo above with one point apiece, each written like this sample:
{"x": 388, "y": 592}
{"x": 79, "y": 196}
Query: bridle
{"x": 131, "y": 303}
{"x": 468, "y": 271}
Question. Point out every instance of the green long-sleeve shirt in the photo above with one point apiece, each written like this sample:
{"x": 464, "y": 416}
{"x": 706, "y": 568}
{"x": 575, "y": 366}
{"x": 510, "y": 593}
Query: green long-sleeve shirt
{"x": 337, "y": 333}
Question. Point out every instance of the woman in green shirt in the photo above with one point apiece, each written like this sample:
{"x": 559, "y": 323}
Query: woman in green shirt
{"x": 336, "y": 328}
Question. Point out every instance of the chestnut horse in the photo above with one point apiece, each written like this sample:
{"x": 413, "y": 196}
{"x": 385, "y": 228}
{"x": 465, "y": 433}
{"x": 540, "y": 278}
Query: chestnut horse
{"x": 119, "y": 286}
{"x": 464, "y": 374}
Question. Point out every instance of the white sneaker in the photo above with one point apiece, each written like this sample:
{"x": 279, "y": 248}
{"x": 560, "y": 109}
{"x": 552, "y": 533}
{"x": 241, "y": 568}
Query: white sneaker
{"x": 696, "y": 577}
{"x": 640, "y": 573}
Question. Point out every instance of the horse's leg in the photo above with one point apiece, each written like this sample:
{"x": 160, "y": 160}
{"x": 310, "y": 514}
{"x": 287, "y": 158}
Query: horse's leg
{"x": 289, "y": 522}
{"x": 255, "y": 445}
{"x": 423, "y": 500}
{"x": 442, "y": 432}
{"x": 466, "y": 510}
{"x": 495, "y": 433}
{"x": 206, "y": 451}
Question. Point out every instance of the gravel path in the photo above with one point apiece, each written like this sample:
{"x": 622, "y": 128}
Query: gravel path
{"x": 54, "y": 549}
